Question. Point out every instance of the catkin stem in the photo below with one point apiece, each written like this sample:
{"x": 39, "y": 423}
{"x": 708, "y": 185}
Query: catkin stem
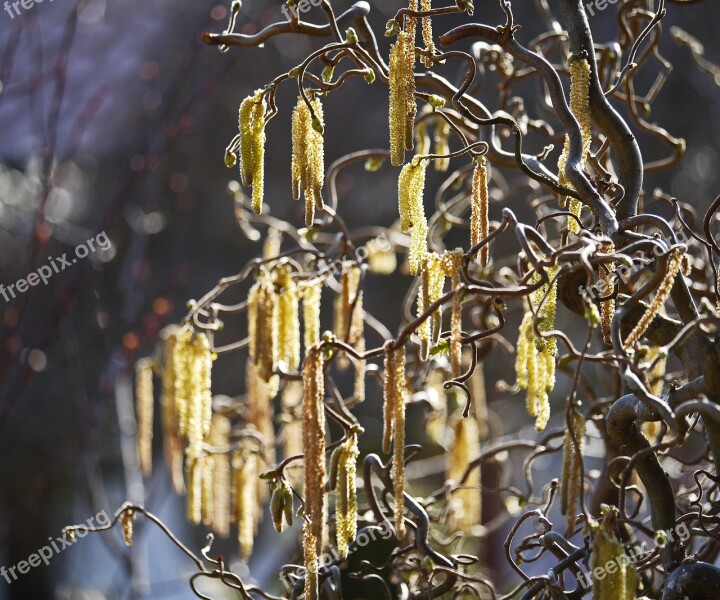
{"x": 479, "y": 224}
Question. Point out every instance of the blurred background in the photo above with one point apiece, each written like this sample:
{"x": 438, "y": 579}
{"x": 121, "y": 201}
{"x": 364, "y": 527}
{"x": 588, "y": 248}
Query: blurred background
{"x": 114, "y": 117}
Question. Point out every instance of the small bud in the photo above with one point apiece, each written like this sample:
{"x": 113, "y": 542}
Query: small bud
{"x": 351, "y": 36}
{"x": 369, "y": 76}
{"x": 374, "y": 163}
{"x": 436, "y": 101}
{"x": 327, "y": 73}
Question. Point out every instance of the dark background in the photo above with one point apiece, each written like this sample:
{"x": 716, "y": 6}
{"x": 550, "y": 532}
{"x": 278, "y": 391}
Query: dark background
{"x": 114, "y": 117}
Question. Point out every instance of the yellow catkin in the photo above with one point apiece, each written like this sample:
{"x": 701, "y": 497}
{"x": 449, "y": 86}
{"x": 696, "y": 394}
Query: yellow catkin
{"x": 272, "y": 243}
{"x": 607, "y": 308}
{"x": 288, "y": 318}
{"x": 207, "y": 504}
{"x": 314, "y": 444}
{"x": 311, "y": 294}
{"x": 144, "y": 408}
{"x": 465, "y": 448}
{"x": 172, "y": 444}
{"x": 345, "y": 487}
{"x": 308, "y": 155}
{"x": 357, "y": 333}
{"x": 245, "y": 125}
{"x": 310, "y": 552}
{"x": 442, "y": 144}
{"x": 126, "y": 520}
{"x": 479, "y": 224}
{"x": 453, "y": 262}
{"x": 246, "y": 511}
{"x": 572, "y": 468}
{"x": 411, "y": 185}
{"x": 389, "y": 396}
{"x": 349, "y": 281}
{"x": 251, "y": 122}
{"x": 402, "y": 96}
{"x": 199, "y": 410}
{"x": 182, "y": 361}
{"x": 427, "y": 32}
{"x": 580, "y": 107}
{"x": 194, "y": 489}
{"x": 220, "y": 471}
{"x": 430, "y": 290}
{"x": 606, "y": 548}
{"x": 436, "y": 422}
{"x": 674, "y": 264}
{"x": 398, "y": 441}
{"x": 263, "y": 326}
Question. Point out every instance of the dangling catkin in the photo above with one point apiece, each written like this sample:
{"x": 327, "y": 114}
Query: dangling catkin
{"x": 572, "y": 469}
{"x": 580, "y": 107}
{"x": 411, "y": 184}
{"x": 465, "y": 449}
{"x": 308, "y": 167}
{"x": 144, "y": 408}
{"x": 272, "y": 243}
{"x": 251, "y": 121}
{"x": 292, "y": 437}
{"x": 453, "y": 262}
{"x": 430, "y": 290}
{"x": 182, "y": 369}
{"x": 221, "y": 475}
{"x": 427, "y": 32}
{"x": 263, "y": 325}
{"x": 171, "y": 436}
{"x": 674, "y": 264}
{"x": 620, "y": 584}
{"x": 199, "y": 408}
{"x": 349, "y": 280}
{"x": 389, "y": 396}
{"x": 259, "y": 400}
{"x": 314, "y": 444}
{"x": 311, "y": 294}
{"x": 357, "y": 333}
{"x": 479, "y": 224}
{"x": 345, "y": 487}
{"x": 245, "y": 496}
{"x": 288, "y": 317}
{"x": 607, "y": 308}
{"x": 398, "y": 464}
{"x": 402, "y": 96}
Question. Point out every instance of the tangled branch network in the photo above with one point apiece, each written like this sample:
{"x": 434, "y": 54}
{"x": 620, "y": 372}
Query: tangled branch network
{"x": 641, "y": 289}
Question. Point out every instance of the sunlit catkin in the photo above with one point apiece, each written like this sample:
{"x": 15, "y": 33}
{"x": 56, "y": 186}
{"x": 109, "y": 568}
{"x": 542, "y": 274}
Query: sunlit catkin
{"x": 345, "y": 488}
{"x": 346, "y": 301}
{"x": 398, "y": 462}
{"x": 427, "y": 32}
{"x": 453, "y": 262}
{"x": 479, "y": 224}
{"x": 411, "y": 185}
{"x": 272, "y": 243}
{"x": 199, "y": 411}
{"x": 281, "y": 506}
{"x": 144, "y": 408}
{"x": 259, "y": 406}
{"x": 389, "y": 396}
{"x": 314, "y": 444}
{"x": 620, "y": 583}
{"x": 182, "y": 369}
{"x": 402, "y": 97}
{"x": 263, "y": 325}
{"x": 308, "y": 155}
{"x": 220, "y": 471}
{"x": 580, "y": 107}
{"x": 172, "y": 443}
{"x": 674, "y": 264}
{"x": 251, "y": 121}
{"x": 311, "y": 293}
{"x": 246, "y": 511}
{"x": 465, "y": 448}
{"x": 288, "y": 317}
{"x": 607, "y": 308}
{"x": 572, "y": 469}
{"x": 195, "y": 467}
{"x": 430, "y": 290}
